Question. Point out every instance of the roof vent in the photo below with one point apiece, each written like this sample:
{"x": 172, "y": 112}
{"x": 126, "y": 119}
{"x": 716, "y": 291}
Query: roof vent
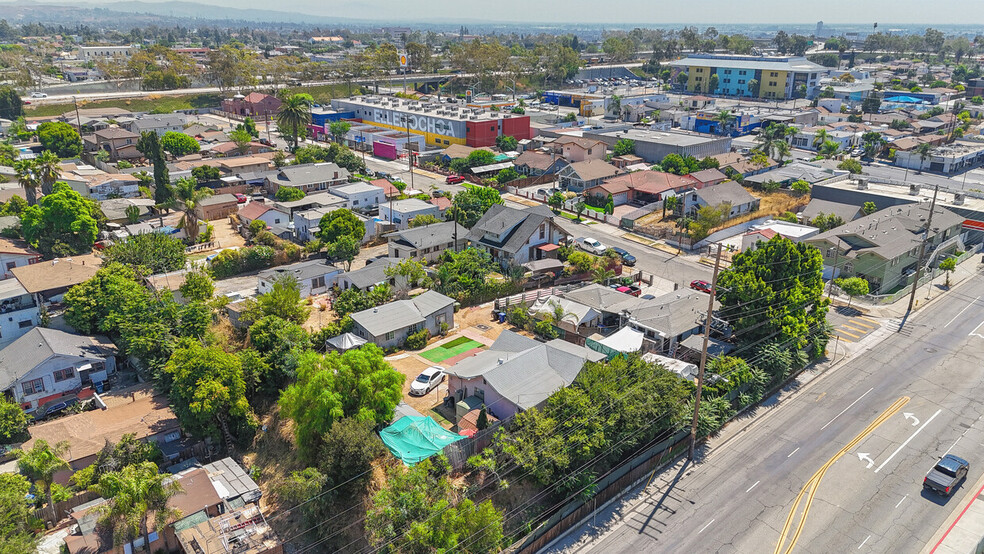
{"x": 502, "y": 361}
{"x": 375, "y": 310}
{"x": 959, "y": 198}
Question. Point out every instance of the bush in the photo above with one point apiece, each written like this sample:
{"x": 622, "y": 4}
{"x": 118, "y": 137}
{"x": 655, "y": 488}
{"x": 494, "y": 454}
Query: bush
{"x": 517, "y": 316}
{"x": 418, "y": 340}
{"x": 233, "y": 262}
{"x": 545, "y": 330}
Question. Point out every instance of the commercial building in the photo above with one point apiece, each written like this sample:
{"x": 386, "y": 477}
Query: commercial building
{"x": 775, "y": 77}
{"x": 944, "y": 159}
{"x": 99, "y": 53}
{"x": 441, "y": 124}
{"x": 653, "y": 146}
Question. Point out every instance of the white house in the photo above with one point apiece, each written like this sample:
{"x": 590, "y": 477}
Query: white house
{"x": 19, "y": 311}
{"x": 308, "y": 222}
{"x": 262, "y": 212}
{"x": 313, "y": 276}
{"x": 389, "y": 325}
{"x": 360, "y": 195}
{"x": 729, "y": 193}
{"x": 47, "y": 364}
{"x": 15, "y": 254}
{"x": 160, "y": 123}
{"x": 400, "y": 212}
{"x": 514, "y": 237}
{"x": 428, "y": 242}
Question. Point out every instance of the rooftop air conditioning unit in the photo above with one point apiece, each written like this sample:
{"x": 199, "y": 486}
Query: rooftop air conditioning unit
{"x": 959, "y": 198}
{"x": 913, "y": 190}
{"x": 862, "y": 183}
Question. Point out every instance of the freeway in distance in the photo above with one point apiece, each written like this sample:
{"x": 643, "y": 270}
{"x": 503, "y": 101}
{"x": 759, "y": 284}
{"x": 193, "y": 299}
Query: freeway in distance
{"x": 738, "y": 497}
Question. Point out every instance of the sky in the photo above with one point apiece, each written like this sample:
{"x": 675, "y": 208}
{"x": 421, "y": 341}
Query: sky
{"x": 922, "y": 12}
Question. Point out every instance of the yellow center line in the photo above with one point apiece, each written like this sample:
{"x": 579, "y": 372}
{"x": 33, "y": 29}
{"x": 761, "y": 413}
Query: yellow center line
{"x": 810, "y": 488}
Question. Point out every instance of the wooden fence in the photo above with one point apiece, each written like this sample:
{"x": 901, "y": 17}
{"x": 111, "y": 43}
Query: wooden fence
{"x": 532, "y": 296}
{"x": 65, "y": 507}
{"x": 458, "y": 453}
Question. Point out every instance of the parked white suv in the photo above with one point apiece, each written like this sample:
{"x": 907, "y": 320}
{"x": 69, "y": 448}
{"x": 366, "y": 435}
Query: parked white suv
{"x": 590, "y": 245}
{"x": 38, "y": 95}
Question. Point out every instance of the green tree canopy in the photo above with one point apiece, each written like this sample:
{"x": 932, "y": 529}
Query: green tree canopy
{"x": 136, "y": 493}
{"x": 289, "y": 194}
{"x": 623, "y": 147}
{"x": 506, "y": 143}
{"x": 197, "y": 286}
{"x": 464, "y": 273}
{"x": 149, "y": 145}
{"x": 284, "y": 300}
{"x": 61, "y": 224}
{"x": 775, "y": 292}
{"x": 853, "y": 287}
{"x": 344, "y": 248}
{"x": 468, "y": 206}
{"x": 13, "y": 421}
{"x": 359, "y": 384}
{"x": 341, "y": 222}
{"x": 478, "y": 158}
{"x": 16, "y": 533}
{"x": 179, "y": 144}
{"x": 40, "y": 464}
{"x": 208, "y": 392}
{"x": 148, "y": 253}
{"x": 205, "y": 173}
{"x": 60, "y": 138}
{"x": 11, "y": 105}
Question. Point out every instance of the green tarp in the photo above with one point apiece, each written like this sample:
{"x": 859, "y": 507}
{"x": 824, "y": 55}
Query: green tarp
{"x": 413, "y": 439}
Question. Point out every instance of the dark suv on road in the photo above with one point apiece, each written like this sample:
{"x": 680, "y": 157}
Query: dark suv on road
{"x": 946, "y": 474}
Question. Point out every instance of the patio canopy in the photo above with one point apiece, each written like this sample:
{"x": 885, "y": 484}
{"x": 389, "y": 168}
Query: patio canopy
{"x": 414, "y": 439}
{"x": 345, "y": 341}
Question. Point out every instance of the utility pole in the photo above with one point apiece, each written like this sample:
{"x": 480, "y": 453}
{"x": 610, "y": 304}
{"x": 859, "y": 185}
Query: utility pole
{"x": 78, "y": 118}
{"x": 922, "y": 251}
{"x": 703, "y": 354}
{"x": 406, "y": 118}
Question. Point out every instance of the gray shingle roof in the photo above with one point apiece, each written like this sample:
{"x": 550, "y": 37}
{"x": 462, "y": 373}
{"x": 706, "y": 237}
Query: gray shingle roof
{"x": 500, "y": 218}
{"x": 308, "y": 174}
{"x": 372, "y": 274}
{"x": 400, "y": 314}
{"x": 727, "y": 192}
{"x": 39, "y": 344}
{"x": 217, "y": 199}
{"x": 847, "y": 212}
{"x": 673, "y": 314}
{"x": 301, "y": 270}
{"x": 890, "y": 232}
{"x": 429, "y": 235}
{"x": 526, "y": 377}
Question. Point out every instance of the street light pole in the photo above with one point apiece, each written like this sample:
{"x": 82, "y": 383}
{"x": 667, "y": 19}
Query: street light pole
{"x": 703, "y": 354}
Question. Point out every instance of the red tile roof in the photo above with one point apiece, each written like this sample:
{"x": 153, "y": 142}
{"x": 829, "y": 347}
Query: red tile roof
{"x": 253, "y": 210}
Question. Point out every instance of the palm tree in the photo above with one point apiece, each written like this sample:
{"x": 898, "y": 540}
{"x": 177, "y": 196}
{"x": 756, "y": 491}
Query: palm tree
{"x": 829, "y": 149}
{"x": 185, "y": 189}
{"x": 781, "y": 150}
{"x": 724, "y": 117}
{"x": 40, "y": 464}
{"x": 615, "y": 105}
{"x": 819, "y": 138}
{"x": 294, "y": 115}
{"x": 136, "y": 492}
{"x": 47, "y": 170}
{"x": 924, "y": 150}
{"x": 27, "y": 178}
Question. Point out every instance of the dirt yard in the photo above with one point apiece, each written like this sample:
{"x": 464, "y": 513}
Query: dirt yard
{"x": 773, "y": 204}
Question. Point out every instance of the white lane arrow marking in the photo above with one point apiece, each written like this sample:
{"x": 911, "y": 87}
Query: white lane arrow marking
{"x": 915, "y": 420}
{"x": 863, "y": 456}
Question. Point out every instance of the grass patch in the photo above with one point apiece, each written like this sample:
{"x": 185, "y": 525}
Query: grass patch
{"x": 595, "y": 209}
{"x": 152, "y": 102}
{"x": 457, "y": 346}
{"x": 566, "y": 215}
{"x": 440, "y": 419}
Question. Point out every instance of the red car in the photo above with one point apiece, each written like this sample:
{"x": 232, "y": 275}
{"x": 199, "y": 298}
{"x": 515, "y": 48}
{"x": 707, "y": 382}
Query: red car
{"x": 241, "y": 198}
{"x": 702, "y": 286}
{"x": 455, "y": 179}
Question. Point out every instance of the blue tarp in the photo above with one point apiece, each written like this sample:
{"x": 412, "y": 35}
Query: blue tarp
{"x": 414, "y": 439}
{"x": 905, "y": 100}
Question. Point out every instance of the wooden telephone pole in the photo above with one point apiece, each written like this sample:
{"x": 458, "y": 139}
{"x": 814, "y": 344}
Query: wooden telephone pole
{"x": 703, "y": 354}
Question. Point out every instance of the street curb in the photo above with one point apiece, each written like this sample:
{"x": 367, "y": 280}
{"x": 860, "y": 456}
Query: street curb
{"x": 951, "y": 521}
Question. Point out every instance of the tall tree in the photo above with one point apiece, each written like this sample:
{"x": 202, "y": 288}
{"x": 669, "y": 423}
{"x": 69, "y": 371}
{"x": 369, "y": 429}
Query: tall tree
{"x": 62, "y": 224}
{"x": 294, "y": 116}
{"x": 60, "y": 138}
{"x": 28, "y": 179}
{"x": 136, "y": 493}
{"x": 16, "y": 533}
{"x": 40, "y": 464}
{"x": 150, "y": 146}
{"x": 358, "y": 383}
{"x": 46, "y": 166}
{"x": 186, "y": 190}
{"x": 208, "y": 391}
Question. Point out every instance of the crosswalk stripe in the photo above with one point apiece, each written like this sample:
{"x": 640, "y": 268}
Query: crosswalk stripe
{"x": 850, "y": 334}
{"x": 845, "y": 339}
{"x": 868, "y": 320}
{"x": 865, "y": 325}
{"x": 862, "y": 331}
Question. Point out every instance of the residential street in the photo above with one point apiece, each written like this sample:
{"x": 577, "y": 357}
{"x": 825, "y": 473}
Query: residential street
{"x": 738, "y": 495}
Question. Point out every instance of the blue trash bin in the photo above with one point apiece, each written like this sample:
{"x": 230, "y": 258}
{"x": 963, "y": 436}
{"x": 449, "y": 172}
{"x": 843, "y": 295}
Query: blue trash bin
{"x": 502, "y": 317}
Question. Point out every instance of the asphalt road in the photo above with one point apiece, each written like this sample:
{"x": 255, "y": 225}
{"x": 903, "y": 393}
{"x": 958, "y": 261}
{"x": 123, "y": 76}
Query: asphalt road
{"x": 737, "y": 497}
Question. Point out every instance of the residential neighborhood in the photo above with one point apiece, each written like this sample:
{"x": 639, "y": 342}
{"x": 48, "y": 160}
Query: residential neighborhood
{"x": 285, "y": 282}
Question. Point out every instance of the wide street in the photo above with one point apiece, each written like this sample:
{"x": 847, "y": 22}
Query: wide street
{"x": 739, "y": 493}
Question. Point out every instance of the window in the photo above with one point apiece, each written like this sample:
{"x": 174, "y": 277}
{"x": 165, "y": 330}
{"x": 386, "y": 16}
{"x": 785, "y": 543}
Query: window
{"x": 64, "y": 374}
{"x": 33, "y": 387}
{"x": 742, "y": 72}
{"x": 543, "y": 230}
{"x": 773, "y": 74}
{"x": 741, "y": 81}
{"x": 589, "y": 151}
{"x": 318, "y": 282}
{"x": 727, "y": 80}
{"x": 447, "y": 142}
{"x": 700, "y": 70}
{"x": 772, "y": 83}
{"x": 355, "y": 202}
{"x": 390, "y": 336}
{"x": 25, "y": 324}
{"x": 727, "y": 72}
{"x": 11, "y": 265}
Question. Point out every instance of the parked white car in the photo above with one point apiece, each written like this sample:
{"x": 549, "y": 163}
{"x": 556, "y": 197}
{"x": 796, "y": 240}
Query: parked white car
{"x": 428, "y": 379}
{"x": 38, "y": 95}
{"x": 590, "y": 245}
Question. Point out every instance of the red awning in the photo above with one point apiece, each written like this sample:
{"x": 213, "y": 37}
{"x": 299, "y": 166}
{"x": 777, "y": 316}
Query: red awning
{"x": 548, "y": 247}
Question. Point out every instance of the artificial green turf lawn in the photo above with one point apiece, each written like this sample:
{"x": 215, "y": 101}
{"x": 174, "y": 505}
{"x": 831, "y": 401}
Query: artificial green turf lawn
{"x": 442, "y": 352}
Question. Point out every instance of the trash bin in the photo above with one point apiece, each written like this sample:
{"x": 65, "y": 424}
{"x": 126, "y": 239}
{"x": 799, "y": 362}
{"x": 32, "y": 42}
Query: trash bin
{"x": 502, "y": 317}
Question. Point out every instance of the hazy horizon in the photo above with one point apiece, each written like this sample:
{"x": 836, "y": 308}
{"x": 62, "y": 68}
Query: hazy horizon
{"x": 622, "y": 12}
